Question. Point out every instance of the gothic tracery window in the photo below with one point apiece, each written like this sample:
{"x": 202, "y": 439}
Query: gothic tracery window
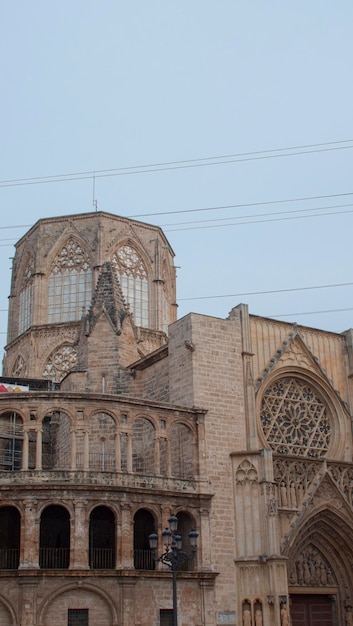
{"x": 132, "y": 274}
{"x": 70, "y": 284}
{"x": 294, "y": 419}
{"x": 60, "y": 363}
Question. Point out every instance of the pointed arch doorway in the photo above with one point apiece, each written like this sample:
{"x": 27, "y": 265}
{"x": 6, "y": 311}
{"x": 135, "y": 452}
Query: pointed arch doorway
{"x": 319, "y": 567}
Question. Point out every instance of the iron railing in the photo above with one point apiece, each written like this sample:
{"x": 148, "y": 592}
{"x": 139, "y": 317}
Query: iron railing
{"x": 9, "y": 558}
{"x": 102, "y": 558}
{"x": 144, "y": 559}
{"x": 54, "y": 558}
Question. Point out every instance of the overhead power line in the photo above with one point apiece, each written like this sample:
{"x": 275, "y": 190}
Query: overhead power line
{"x": 275, "y": 219}
{"x": 309, "y": 313}
{"x": 271, "y": 291}
{"x": 275, "y": 153}
{"x": 234, "y": 206}
{"x": 246, "y": 204}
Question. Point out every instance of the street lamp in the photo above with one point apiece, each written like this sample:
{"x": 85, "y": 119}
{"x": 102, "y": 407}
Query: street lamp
{"x": 173, "y": 556}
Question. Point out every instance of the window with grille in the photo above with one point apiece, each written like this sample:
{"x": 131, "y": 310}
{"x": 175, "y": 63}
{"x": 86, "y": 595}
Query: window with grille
{"x": 133, "y": 278}
{"x": 77, "y": 617}
{"x": 26, "y": 298}
{"x": 70, "y": 284}
{"x": 166, "y": 617}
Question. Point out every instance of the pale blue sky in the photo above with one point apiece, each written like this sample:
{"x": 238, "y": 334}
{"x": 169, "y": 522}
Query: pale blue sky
{"x": 95, "y": 85}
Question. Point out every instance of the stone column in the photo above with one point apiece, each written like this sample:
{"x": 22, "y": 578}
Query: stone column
{"x": 117, "y": 452}
{"x": 207, "y": 603}
{"x": 85, "y": 450}
{"x": 25, "y": 451}
{"x": 73, "y": 450}
{"x": 203, "y": 554}
{"x": 29, "y": 550}
{"x": 129, "y": 452}
{"x": 157, "y": 456}
{"x": 39, "y": 437}
{"x": 127, "y": 537}
{"x": 80, "y": 537}
{"x": 28, "y": 602}
{"x": 128, "y": 602}
{"x": 201, "y": 446}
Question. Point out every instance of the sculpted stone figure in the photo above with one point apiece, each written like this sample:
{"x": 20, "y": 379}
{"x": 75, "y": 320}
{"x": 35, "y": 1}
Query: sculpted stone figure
{"x": 284, "y": 616}
{"x": 246, "y": 617}
{"x": 258, "y": 617}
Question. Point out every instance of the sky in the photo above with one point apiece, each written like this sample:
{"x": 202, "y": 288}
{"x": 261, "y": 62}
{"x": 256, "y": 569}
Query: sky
{"x": 226, "y": 122}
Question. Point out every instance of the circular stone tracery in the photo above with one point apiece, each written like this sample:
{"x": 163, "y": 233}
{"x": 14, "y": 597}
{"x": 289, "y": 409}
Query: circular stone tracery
{"x": 60, "y": 363}
{"x": 294, "y": 419}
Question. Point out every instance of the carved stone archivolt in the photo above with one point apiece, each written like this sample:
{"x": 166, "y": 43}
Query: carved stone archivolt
{"x": 311, "y": 569}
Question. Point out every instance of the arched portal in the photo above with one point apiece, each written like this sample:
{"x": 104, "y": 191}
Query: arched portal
{"x": 319, "y": 570}
{"x": 144, "y": 525}
{"x": 102, "y": 538}
{"x": 54, "y": 550}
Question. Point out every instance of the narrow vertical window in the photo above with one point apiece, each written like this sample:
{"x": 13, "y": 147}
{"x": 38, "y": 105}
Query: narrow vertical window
{"x": 70, "y": 284}
{"x": 25, "y": 318}
{"x": 132, "y": 274}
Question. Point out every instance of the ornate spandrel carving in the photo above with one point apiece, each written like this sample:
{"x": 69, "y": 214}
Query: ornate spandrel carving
{"x": 20, "y": 367}
{"x": 342, "y": 476}
{"x": 327, "y": 494}
{"x": 311, "y": 569}
{"x": 294, "y": 419}
{"x": 295, "y": 480}
{"x": 294, "y": 355}
{"x": 246, "y": 472}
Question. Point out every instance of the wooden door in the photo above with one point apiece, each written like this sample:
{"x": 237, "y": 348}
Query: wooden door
{"x": 311, "y": 610}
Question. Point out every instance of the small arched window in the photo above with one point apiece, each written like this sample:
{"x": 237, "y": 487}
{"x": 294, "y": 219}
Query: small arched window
{"x": 11, "y": 441}
{"x": 182, "y": 451}
{"x": 143, "y": 446}
{"x": 102, "y": 430}
{"x": 70, "y": 284}
{"x": 132, "y": 275}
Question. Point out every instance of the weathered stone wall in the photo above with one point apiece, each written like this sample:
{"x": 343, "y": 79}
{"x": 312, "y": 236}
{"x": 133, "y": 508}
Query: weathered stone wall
{"x": 205, "y": 369}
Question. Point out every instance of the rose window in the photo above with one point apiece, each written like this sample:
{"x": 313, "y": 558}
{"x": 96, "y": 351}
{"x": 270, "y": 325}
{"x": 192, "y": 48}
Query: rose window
{"x": 294, "y": 419}
{"x": 60, "y": 363}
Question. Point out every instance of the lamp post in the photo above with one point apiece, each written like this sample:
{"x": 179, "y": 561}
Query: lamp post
{"x": 173, "y": 556}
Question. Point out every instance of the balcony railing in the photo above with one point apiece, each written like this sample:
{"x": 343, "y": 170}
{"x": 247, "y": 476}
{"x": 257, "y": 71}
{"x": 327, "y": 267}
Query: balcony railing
{"x": 144, "y": 559}
{"x": 54, "y": 558}
{"x": 9, "y": 558}
{"x": 102, "y": 558}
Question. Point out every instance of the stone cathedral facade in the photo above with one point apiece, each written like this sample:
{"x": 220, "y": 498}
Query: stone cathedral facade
{"x": 114, "y": 415}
